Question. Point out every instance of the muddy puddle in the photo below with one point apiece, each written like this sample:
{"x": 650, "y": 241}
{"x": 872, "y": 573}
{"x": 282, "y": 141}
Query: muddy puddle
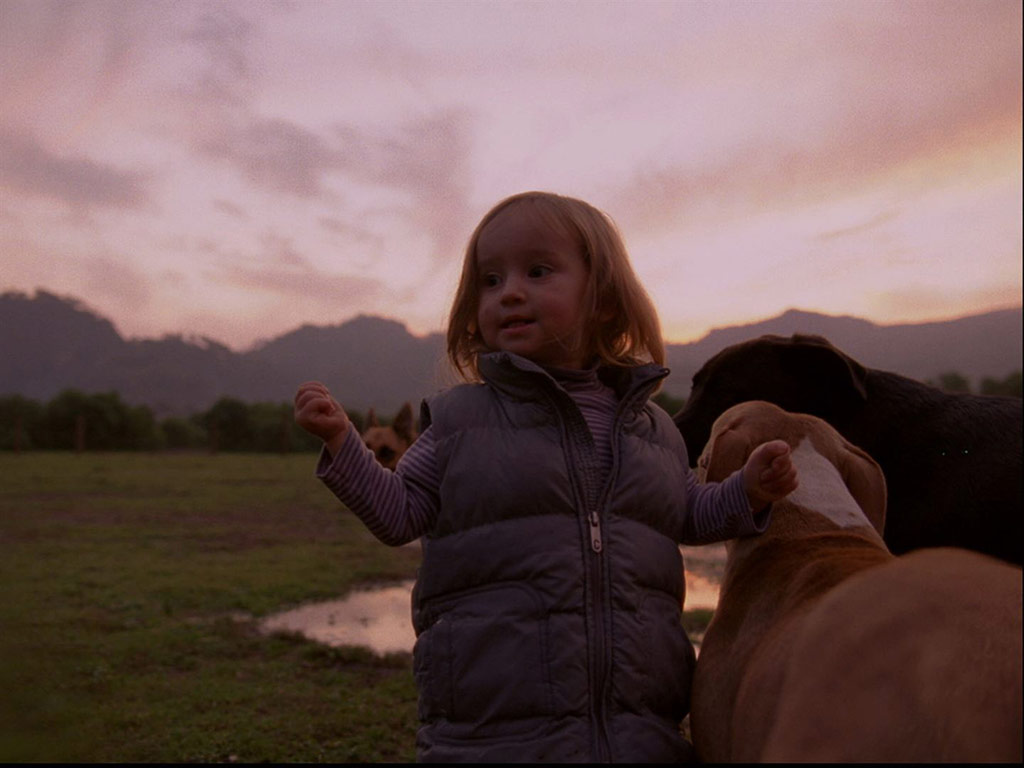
{"x": 381, "y": 619}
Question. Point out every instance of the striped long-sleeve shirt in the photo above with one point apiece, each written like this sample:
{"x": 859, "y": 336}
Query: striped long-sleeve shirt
{"x": 400, "y": 506}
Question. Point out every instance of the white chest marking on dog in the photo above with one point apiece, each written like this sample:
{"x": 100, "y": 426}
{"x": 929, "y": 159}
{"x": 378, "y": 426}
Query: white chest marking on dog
{"x": 822, "y": 489}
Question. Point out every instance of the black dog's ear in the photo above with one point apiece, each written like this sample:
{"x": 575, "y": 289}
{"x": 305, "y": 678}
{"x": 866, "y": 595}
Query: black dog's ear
{"x": 839, "y": 380}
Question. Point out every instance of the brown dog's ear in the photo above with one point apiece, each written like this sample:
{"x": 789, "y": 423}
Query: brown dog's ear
{"x": 724, "y": 454}
{"x": 371, "y": 419}
{"x": 866, "y": 483}
{"x": 403, "y": 423}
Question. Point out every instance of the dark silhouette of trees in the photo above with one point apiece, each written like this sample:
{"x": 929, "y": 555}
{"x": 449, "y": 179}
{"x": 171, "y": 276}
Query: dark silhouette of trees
{"x": 669, "y": 403}
{"x": 181, "y": 434}
{"x": 953, "y": 381}
{"x": 74, "y": 420}
{"x": 228, "y": 425}
{"x": 101, "y": 422}
{"x": 22, "y": 424}
{"x": 1010, "y": 386}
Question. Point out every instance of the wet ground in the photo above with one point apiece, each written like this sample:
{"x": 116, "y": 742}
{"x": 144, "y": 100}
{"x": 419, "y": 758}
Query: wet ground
{"x": 380, "y": 619}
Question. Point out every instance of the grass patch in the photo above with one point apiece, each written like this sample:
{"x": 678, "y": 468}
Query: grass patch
{"x": 131, "y": 588}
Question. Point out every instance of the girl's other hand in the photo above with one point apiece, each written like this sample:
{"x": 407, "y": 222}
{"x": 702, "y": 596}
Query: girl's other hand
{"x": 320, "y": 414}
{"x": 769, "y": 474}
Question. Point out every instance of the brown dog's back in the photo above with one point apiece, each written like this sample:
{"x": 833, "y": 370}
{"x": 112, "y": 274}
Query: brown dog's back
{"x": 915, "y": 660}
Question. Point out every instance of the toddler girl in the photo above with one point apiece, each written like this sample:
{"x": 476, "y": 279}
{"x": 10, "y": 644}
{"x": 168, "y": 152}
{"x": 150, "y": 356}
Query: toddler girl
{"x": 551, "y": 496}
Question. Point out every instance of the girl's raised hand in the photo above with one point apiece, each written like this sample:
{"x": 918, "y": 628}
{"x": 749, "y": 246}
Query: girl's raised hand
{"x": 320, "y": 414}
{"x": 769, "y": 474}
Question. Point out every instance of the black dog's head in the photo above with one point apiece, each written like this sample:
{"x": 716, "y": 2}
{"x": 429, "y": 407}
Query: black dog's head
{"x": 800, "y": 374}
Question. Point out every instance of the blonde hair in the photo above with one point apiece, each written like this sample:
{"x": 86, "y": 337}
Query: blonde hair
{"x": 622, "y": 326}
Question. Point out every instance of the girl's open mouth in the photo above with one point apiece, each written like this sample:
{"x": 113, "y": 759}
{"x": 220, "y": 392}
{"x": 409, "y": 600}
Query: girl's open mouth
{"x": 516, "y": 323}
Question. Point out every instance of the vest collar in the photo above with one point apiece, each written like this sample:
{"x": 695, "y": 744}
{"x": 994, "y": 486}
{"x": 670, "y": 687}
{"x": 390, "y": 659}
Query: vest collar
{"x": 520, "y": 378}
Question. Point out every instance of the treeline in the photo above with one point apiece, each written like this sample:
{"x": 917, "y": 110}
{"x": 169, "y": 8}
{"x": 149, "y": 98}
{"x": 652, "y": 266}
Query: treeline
{"x": 955, "y": 382}
{"x": 74, "y": 420}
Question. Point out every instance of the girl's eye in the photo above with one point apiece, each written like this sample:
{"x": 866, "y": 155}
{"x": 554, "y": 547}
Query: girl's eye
{"x": 540, "y": 270}
{"x": 490, "y": 280}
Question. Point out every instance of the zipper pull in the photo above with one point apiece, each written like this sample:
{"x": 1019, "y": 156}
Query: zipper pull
{"x": 595, "y": 531}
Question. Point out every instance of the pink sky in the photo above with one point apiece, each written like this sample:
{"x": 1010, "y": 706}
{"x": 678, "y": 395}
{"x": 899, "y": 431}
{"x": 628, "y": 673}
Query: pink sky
{"x": 237, "y": 169}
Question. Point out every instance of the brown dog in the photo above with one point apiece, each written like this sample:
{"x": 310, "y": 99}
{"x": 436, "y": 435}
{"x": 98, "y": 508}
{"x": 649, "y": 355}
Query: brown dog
{"x": 825, "y": 647}
{"x": 389, "y": 443}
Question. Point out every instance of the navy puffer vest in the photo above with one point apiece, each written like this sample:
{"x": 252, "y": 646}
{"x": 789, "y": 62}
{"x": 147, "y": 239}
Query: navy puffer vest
{"x": 547, "y": 607}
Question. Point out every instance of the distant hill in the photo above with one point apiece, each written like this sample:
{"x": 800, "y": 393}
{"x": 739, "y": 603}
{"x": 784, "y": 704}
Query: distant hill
{"x": 49, "y": 343}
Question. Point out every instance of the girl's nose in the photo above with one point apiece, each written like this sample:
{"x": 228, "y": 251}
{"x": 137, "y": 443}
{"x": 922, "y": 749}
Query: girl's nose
{"x": 511, "y": 290}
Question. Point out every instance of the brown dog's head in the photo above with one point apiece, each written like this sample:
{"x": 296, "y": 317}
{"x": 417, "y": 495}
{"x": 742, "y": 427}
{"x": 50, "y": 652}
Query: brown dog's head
{"x": 389, "y": 443}
{"x": 738, "y": 431}
{"x": 802, "y": 374}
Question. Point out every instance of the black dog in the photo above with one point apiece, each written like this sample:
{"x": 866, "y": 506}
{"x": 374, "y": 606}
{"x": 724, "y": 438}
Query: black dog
{"x": 952, "y": 462}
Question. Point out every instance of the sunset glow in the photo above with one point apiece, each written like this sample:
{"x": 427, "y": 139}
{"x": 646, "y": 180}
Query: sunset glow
{"x": 236, "y": 169}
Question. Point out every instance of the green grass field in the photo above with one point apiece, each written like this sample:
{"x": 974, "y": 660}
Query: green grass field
{"x": 131, "y": 585}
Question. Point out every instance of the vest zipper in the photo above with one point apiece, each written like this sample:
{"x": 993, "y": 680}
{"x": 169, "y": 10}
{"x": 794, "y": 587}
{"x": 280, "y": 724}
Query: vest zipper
{"x": 601, "y": 653}
{"x": 595, "y": 498}
{"x": 602, "y": 746}
{"x": 590, "y": 499}
{"x": 595, "y": 531}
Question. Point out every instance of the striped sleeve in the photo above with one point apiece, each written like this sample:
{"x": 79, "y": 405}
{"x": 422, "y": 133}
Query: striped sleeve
{"x": 720, "y": 511}
{"x": 397, "y": 507}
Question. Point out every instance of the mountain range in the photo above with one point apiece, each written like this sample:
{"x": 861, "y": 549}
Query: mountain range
{"x": 49, "y": 343}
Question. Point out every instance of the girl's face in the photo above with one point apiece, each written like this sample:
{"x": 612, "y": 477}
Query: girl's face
{"x": 533, "y": 282}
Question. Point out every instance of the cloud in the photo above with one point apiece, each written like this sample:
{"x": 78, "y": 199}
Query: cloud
{"x": 859, "y": 228}
{"x": 221, "y": 37}
{"x": 27, "y": 166}
{"x": 226, "y": 206}
{"x": 303, "y": 283}
{"x": 61, "y": 57}
{"x": 846, "y": 102}
{"x": 108, "y": 282}
{"x": 112, "y": 278}
{"x": 770, "y": 175}
{"x": 353, "y": 232}
{"x": 283, "y": 272}
{"x": 276, "y": 155}
{"x": 915, "y": 303}
{"x": 428, "y": 160}
{"x": 422, "y": 164}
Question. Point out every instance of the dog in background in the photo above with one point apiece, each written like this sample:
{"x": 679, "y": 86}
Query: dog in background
{"x": 826, "y": 648}
{"x": 390, "y": 442}
{"x": 952, "y": 462}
